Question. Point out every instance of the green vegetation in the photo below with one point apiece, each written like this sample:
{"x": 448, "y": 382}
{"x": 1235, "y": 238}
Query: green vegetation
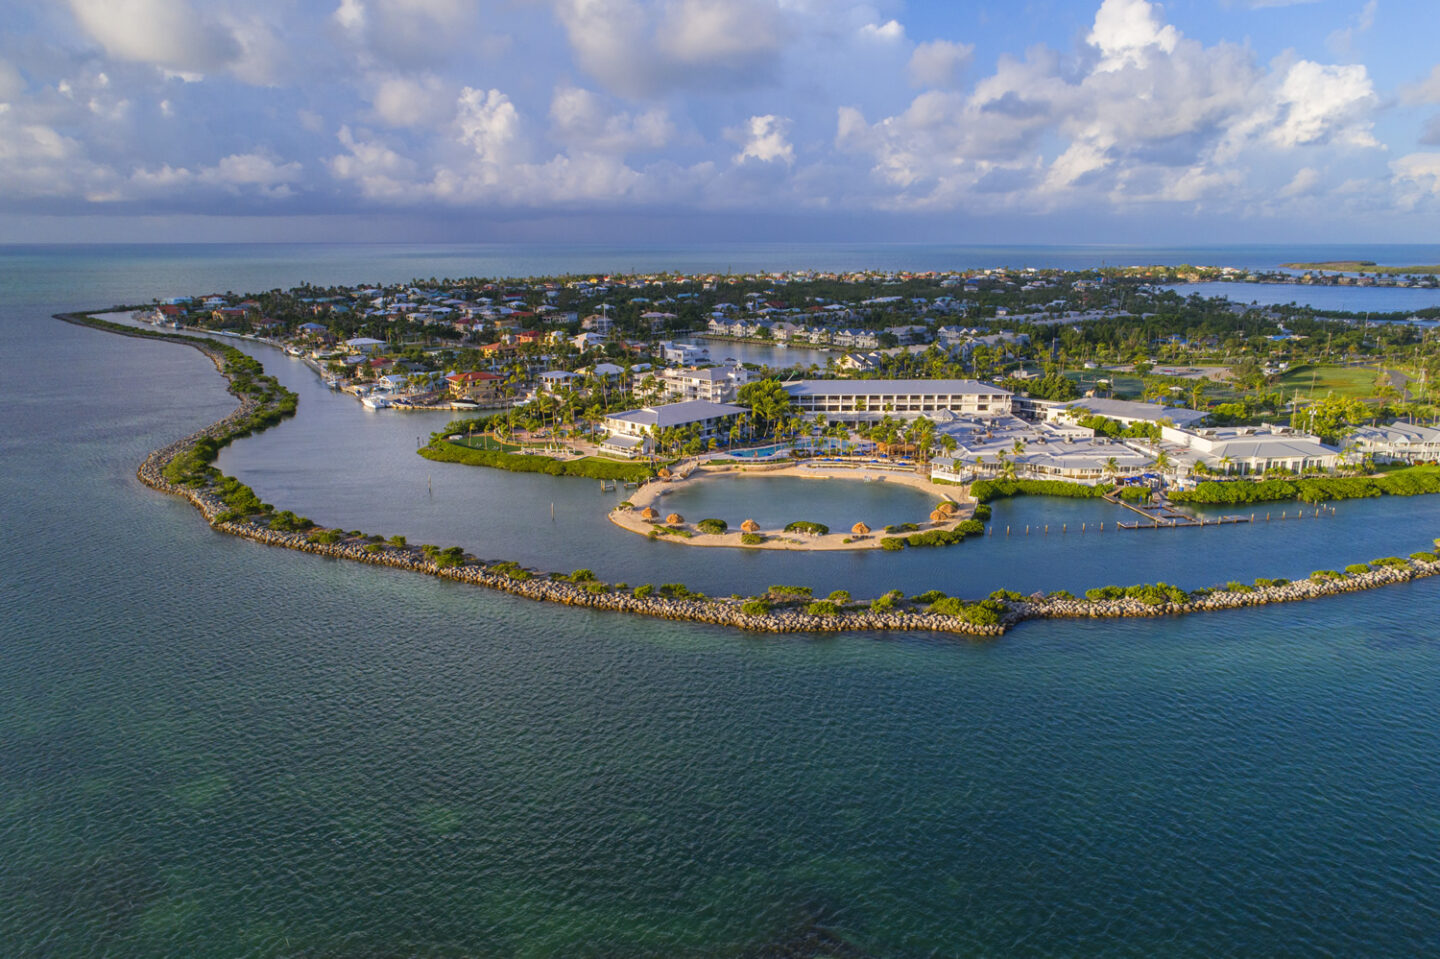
{"x": 984, "y": 613}
{"x": 326, "y": 536}
{"x": 823, "y": 607}
{"x": 512, "y": 570}
{"x": 751, "y": 539}
{"x": 789, "y": 592}
{"x": 803, "y": 526}
{"x": 1363, "y": 266}
{"x": 443, "y": 451}
{"x": 1321, "y": 575}
{"x": 755, "y": 607}
{"x": 712, "y": 526}
{"x": 1357, "y": 569}
{"x": 1409, "y": 481}
{"x": 643, "y": 590}
{"x": 287, "y": 522}
{"x": 988, "y": 490}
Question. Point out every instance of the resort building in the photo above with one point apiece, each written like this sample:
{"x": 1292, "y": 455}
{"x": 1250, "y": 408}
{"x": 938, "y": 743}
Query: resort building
{"x": 862, "y": 400}
{"x": 1397, "y": 442}
{"x": 633, "y": 431}
{"x": 986, "y": 447}
{"x": 684, "y": 354}
{"x": 1250, "y": 449}
{"x": 1124, "y": 412}
{"x": 715, "y": 384}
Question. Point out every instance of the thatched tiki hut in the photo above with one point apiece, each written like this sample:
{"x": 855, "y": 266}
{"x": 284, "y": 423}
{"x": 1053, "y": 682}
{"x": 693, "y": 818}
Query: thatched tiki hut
{"x": 750, "y": 526}
{"x": 946, "y": 507}
{"x": 939, "y": 516}
{"x": 649, "y": 515}
{"x": 673, "y": 519}
{"x": 663, "y": 473}
{"x": 859, "y": 529}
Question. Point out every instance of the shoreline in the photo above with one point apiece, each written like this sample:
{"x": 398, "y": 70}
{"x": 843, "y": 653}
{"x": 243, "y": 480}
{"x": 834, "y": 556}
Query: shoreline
{"x": 545, "y": 587}
{"x": 650, "y": 494}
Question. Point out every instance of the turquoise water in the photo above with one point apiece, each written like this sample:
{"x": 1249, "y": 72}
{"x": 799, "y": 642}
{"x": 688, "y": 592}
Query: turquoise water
{"x": 208, "y": 748}
{"x": 756, "y": 452}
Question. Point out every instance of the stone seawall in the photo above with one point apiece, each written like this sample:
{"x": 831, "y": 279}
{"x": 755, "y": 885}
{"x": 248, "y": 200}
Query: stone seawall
{"x": 544, "y": 587}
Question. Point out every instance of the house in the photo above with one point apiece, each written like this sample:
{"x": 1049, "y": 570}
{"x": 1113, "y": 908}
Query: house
{"x": 588, "y": 341}
{"x": 601, "y": 326}
{"x": 684, "y": 354}
{"x": 553, "y": 381}
{"x": 1125, "y": 412}
{"x": 364, "y": 344}
{"x": 478, "y": 386}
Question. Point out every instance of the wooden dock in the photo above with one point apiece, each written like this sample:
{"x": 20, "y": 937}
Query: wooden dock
{"x": 1159, "y": 514}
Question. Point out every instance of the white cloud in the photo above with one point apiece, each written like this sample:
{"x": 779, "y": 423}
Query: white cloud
{"x": 1342, "y": 41}
{"x": 488, "y": 123}
{"x": 240, "y": 174}
{"x": 585, "y": 121}
{"x": 1305, "y": 183}
{"x": 640, "y": 48}
{"x": 1128, "y": 31}
{"x": 888, "y": 32}
{"x": 165, "y": 33}
{"x": 764, "y": 138}
{"x": 412, "y": 101}
{"x": 1326, "y": 103}
{"x": 939, "y": 63}
{"x": 1416, "y": 177}
{"x": 378, "y": 171}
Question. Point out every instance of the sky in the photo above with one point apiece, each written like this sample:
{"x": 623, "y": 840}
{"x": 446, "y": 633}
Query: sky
{"x": 1050, "y": 121}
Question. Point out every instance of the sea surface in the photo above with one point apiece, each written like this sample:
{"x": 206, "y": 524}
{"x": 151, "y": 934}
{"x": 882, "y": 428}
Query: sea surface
{"x": 210, "y": 748}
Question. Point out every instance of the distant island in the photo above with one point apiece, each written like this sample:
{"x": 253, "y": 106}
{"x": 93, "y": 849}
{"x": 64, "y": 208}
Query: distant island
{"x": 1363, "y": 266}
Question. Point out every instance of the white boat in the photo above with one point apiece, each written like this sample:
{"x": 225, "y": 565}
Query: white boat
{"x": 375, "y": 401}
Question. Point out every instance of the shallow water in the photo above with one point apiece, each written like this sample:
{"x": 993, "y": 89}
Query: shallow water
{"x": 212, "y": 748}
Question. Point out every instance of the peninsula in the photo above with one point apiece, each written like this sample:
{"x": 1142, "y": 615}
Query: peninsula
{"x": 1052, "y": 398}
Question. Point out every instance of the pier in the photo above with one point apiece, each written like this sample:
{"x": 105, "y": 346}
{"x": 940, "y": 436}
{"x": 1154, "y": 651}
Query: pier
{"x": 1161, "y": 515}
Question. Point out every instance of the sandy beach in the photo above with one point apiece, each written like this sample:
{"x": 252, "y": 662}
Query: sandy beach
{"x": 651, "y": 493}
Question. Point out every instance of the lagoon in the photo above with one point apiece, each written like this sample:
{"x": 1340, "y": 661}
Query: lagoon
{"x": 774, "y": 501}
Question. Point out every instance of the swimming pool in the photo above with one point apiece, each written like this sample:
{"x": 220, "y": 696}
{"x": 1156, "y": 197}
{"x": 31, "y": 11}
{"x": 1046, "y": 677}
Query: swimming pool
{"x": 759, "y": 452}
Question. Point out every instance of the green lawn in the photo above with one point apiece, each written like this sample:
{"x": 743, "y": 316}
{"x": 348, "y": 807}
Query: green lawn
{"x": 1356, "y": 381}
{"x": 485, "y": 442}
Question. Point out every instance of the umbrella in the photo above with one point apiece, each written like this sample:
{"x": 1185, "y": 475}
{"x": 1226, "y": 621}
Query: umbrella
{"x": 674, "y": 518}
{"x": 946, "y": 507}
{"x": 939, "y": 516}
{"x": 859, "y": 529}
{"x": 648, "y": 514}
{"x": 750, "y": 526}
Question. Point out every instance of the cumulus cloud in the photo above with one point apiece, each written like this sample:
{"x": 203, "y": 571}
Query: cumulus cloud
{"x": 939, "y": 63}
{"x": 165, "y": 33}
{"x": 1342, "y": 41}
{"x": 254, "y": 174}
{"x": 412, "y": 101}
{"x": 1416, "y": 177}
{"x": 764, "y": 138}
{"x": 488, "y": 123}
{"x": 1323, "y": 103}
{"x": 410, "y": 33}
{"x": 586, "y": 121}
{"x": 1127, "y": 31}
{"x": 640, "y": 48}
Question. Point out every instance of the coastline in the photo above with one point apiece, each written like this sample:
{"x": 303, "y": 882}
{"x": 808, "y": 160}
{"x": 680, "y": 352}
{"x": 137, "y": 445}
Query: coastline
{"x": 651, "y": 493}
{"x": 507, "y": 577}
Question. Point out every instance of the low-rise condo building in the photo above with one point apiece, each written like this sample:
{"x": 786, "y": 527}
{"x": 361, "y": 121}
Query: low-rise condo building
{"x": 863, "y": 400}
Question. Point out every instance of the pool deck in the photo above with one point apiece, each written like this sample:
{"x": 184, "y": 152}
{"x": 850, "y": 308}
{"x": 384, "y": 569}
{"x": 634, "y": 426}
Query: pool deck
{"x": 652, "y": 494}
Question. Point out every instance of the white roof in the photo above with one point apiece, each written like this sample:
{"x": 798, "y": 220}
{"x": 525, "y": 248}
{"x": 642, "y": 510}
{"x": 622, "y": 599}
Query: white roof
{"x": 677, "y": 414}
{"x": 888, "y": 387}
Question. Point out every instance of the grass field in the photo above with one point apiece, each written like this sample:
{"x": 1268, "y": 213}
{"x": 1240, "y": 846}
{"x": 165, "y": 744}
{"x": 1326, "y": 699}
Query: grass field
{"x": 485, "y": 442}
{"x": 1356, "y": 381}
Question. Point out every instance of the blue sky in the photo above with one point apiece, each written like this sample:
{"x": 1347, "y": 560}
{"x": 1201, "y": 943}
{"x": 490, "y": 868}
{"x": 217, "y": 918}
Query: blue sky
{"x": 1204, "y": 121}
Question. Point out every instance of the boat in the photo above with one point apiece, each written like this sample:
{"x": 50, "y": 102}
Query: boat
{"x": 375, "y": 401}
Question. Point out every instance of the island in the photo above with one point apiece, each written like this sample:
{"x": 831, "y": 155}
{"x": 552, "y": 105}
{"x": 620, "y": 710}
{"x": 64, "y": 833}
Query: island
{"x": 968, "y": 386}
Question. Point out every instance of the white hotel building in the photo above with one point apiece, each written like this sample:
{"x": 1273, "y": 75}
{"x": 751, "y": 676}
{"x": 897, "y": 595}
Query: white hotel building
{"x": 862, "y": 400}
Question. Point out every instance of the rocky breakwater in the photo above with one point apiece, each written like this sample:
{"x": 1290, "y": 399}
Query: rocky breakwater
{"x": 1334, "y": 584}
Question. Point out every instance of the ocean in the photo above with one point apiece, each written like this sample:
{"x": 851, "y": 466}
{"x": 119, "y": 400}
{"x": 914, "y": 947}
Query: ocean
{"x": 209, "y": 748}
